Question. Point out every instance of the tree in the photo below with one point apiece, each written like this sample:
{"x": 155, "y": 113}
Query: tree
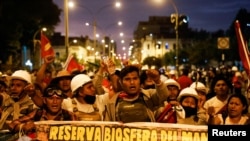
{"x": 152, "y": 61}
{"x": 244, "y": 17}
{"x": 169, "y": 58}
{"x": 19, "y": 20}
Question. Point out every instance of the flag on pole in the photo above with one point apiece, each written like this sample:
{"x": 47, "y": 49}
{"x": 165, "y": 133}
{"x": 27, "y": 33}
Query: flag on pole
{"x": 46, "y": 48}
{"x": 243, "y": 48}
{"x": 71, "y": 64}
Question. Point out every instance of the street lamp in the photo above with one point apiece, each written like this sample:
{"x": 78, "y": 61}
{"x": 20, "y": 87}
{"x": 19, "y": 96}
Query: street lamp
{"x": 175, "y": 19}
{"x": 104, "y": 31}
{"x": 66, "y": 22}
{"x": 94, "y": 15}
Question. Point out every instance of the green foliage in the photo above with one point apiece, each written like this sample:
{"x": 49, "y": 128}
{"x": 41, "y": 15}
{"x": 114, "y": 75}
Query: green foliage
{"x": 169, "y": 58}
{"x": 19, "y": 20}
{"x": 152, "y": 61}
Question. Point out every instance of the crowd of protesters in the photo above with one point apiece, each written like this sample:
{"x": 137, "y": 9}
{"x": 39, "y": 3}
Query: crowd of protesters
{"x": 198, "y": 97}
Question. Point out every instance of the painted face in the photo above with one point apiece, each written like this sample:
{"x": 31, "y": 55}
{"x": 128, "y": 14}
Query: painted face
{"x": 235, "y": 107}
{"x": 131, "y": 83}
{"x": 221, "y": 88}
{"x": 16, "y": 88}
{"x": 53, "y": 103}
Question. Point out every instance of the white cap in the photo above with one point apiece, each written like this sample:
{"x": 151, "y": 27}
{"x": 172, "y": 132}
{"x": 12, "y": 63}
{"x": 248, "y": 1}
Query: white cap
{"x": 22, "y": 75}
{"x": 188, "y": 92}
{"x": 172, "y": 72}
{"x": 234, "y": 68}
{"x": 78, "y": 81}
{"x": 199, "y": 86}
{"x": 172, "y": 82}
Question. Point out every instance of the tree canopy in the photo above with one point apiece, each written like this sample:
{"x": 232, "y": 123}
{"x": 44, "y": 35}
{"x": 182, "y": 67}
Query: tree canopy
{"x": 19, "y": 21}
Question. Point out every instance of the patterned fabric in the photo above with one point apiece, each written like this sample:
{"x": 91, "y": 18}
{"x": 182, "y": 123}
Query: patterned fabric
{"x": 12, "y": 110}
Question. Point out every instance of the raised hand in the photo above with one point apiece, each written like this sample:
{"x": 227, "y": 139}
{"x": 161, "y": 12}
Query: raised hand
{"x": 154, "y": 75}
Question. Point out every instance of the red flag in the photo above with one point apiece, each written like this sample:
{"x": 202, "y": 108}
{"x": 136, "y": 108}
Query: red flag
{"x": 71, "y": 64}
{"x": 46, "y": 48}
{"x": 168, "y": 115}
{"x": 243, "y": 50}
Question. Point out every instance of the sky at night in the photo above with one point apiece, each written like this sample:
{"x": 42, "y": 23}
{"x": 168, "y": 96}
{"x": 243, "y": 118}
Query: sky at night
{"x": 209, "y": 15}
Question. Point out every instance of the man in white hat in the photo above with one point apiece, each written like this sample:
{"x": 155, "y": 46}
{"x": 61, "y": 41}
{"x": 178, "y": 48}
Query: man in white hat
{"x": 17, "y": 102}
{"x": 86, "y": 105}
{"x": 188, "y": 99}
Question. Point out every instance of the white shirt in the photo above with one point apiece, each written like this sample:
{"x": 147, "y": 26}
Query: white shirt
{"x": 216, "y": 103}
{"x": 101, "y": 101}
{"x": 242, "y": 121}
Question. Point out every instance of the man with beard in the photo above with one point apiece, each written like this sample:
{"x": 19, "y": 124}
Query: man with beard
{"x": 85, "y": 103}
{"x": 134, "y": 104}
{"x": 52, "y": 98}
{"x": 17, "y": 102}
{"x": 195, "y": 115}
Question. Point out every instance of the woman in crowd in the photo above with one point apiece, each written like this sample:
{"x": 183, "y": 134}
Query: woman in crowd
{"x": 236, "y": 112}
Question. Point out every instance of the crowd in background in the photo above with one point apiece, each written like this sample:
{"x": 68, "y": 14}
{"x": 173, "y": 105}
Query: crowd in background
{"x": 199, "y": 97}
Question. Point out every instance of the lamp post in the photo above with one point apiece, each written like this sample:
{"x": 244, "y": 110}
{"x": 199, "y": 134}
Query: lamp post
{"x": 94, "y": 15}
{"x": 175, "y": 19}
{"x": 66, "y": 22}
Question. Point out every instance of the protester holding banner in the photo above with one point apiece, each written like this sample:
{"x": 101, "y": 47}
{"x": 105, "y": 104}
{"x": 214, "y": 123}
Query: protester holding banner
{"x": 85, "y": 103}
{"x": 52, "y": 97}
{"x": 195, "y": 115}
{"x": 134, "y": 104}
{"x": 237, "y": 110}
{"x": 17, "y": 102}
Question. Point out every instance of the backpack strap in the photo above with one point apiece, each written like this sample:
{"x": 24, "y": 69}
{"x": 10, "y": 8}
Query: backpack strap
{"x": 74, "y": 105}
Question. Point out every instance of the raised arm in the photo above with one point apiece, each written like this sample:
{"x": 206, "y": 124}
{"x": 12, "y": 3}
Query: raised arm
{"x": 161, "y": 89}
{"x": 97, "y": 80}
{"x": 41, "y": 72}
